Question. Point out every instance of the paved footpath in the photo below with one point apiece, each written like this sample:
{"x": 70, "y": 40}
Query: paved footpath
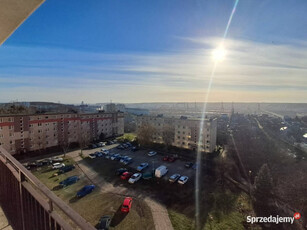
{"x": 158, "y": 210}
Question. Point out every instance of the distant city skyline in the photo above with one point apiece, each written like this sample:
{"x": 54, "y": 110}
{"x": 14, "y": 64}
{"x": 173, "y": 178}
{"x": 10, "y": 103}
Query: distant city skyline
{"x": 157, "y": 51}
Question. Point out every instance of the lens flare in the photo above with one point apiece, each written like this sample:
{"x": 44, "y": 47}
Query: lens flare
{"x": 219, "y": 53}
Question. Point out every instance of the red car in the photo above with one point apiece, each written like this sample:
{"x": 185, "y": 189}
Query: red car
{"x": 172, "y": 159}
{"x": 126, "y": 175}
{"x": 126, "y": 205}
{"x": 166, "y": 158}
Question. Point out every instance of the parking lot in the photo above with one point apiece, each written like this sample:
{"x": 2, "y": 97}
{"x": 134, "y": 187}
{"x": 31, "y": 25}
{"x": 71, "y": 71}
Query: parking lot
{"x": 141, "y": 156}
{"x": 157, "y": 193}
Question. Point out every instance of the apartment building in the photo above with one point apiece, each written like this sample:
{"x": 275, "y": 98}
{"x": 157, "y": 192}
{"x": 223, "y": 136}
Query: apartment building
{"x": 184, "y": 131}
{"x": 26, "y": 133}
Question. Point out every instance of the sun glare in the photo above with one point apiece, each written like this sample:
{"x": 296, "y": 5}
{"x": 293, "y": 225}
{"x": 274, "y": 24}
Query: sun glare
{"x": 219, "y": 54}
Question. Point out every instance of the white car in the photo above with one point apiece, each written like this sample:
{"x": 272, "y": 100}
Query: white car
{"x": 92, "y": 155}
{"x": 58, "y": 165}
{"x": 135, "y": 177}
{"x": 57, "y": 159}
{"x": 183, "y": 179}
{"x": 152, "y": 153}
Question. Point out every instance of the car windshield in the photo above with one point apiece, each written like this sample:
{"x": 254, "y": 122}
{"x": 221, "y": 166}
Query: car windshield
{"x": 217, "y": 88}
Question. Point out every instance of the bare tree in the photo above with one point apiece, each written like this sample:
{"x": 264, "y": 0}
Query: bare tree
{"x": 168, "y": 134}
{"x": 83, "y": 141}
{"x": 145, "y": 134}
{"x": 65, "y": 147}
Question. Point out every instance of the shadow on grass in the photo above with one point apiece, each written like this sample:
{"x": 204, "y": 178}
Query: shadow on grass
{"x": 74, "y": 199}
{"x": 118, "y": 217}
{"x": 56, "y": 188}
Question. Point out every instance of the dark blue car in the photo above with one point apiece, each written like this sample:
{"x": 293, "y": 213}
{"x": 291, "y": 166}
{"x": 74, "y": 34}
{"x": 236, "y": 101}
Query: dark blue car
{"x": 85, "y": 190}
{"x": 69, "y": 181}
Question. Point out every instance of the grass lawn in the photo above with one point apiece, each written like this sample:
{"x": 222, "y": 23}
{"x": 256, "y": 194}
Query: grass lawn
{"x": 180, "y": 221}
{"x": 97, "y": 204}
{"x": 222, "y": 216}
{"x": 127, "y": 137}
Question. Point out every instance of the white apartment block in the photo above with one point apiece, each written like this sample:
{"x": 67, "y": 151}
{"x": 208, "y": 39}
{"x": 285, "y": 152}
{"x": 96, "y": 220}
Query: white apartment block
{"x": 186, "y": 131}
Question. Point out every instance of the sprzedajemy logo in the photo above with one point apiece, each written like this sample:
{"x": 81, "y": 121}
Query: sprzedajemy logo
{"x": 273, "y": 219}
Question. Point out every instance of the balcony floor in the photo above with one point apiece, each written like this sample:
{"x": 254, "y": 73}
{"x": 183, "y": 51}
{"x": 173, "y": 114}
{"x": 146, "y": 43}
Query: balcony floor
{"x": 4, "y": 225}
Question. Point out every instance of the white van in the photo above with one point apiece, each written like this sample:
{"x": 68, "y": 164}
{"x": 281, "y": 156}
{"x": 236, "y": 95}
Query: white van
{"x": 161, "y": 171}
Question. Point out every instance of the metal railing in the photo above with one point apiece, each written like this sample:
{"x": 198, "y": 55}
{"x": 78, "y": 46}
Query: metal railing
{"x": 29, "y": 204}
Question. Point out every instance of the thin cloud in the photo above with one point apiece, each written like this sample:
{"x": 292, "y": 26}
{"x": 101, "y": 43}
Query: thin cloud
{"x": 257, "y": 71}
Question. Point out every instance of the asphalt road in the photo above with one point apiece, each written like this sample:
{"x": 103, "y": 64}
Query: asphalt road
{"x": 141, "y": 156}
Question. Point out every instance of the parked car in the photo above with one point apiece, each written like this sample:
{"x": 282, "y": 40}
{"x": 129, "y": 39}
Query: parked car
{"x": 135, "y": 177}
{"x": 188, "y": 164}
{"x": 121, "y": 171}
{"x": 58, "y": 165}
{"x": 195, "y": 166}
{"x": 66, "y": 168}
{"x": 125, "y": 146}
{"x": 87, "y": 189}
{"x": 69, "y": 181}
{"x": 31, "y": 165}
{"x": 134, "y": 149}
{"x": 126, "y": 175}
{"x": 57, "y": 159}
{"x": 45, "y": 162}
{"x": 104, "y": 223}
{"x": 109, "y": 143}
{"x": 172, "y": 159}
{"x": 183, "y": 179}
{"x": 128, "y": 144}
{"x": 147, "y": 176}
{"x": 142, "y": 166}
{"x": 120, "y": 147}
{"x": 173, "y": 178}
{"x": 115, "y": 157}
{"x": 109, "y": 155}
{"x": 92, "y": 155}
{"x": 106, "y": 152}
{"x": 152, "y": 153}
{"x": 126, "y": 205}
{"x": 161, "y": 171}
{"x": 123, "y": 158}
{"x": 165, "y": 158}
{"x": 93, "y": 146}
{"x": 99, "y": 154}
{"x": 128, "y": 161}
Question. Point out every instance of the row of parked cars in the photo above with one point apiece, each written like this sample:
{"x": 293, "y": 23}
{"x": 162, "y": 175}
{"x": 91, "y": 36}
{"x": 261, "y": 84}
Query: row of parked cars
{"x": 158, "y": 172}
{"x": 112, "y": 156}
{"x": 101, "y": 144}
{"x": 55, "y": 162}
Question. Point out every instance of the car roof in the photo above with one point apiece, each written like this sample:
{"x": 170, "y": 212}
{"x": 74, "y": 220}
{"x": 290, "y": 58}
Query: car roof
{"x": 127, "y": 200}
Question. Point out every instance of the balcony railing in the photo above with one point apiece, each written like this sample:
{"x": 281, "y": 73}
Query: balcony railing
{"x": 29, "y": 204}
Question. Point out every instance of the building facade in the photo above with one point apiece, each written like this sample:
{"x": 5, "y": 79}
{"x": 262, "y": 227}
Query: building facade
{"x": 185, "y": 131}
{"x": 26, "y": 133}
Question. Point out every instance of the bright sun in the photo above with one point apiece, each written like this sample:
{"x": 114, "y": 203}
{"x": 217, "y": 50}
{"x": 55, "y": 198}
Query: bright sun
{"x": 219, "y": 54}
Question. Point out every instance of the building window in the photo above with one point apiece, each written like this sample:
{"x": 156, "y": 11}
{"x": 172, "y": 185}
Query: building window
{"x": 10, "y": 127}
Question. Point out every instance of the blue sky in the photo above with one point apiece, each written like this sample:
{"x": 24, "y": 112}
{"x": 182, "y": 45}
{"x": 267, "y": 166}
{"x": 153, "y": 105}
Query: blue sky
{"x": 157, "y": 51}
